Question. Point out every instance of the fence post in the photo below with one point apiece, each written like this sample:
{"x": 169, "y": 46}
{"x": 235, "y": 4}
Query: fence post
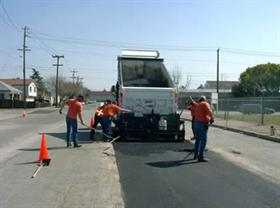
{"x": 262, "y": 112}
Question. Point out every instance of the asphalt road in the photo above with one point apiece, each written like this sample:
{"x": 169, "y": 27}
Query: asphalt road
{"x": 132, "y": 174}
{"x": 160, "y": 175}
{"x": 83, "y": 177}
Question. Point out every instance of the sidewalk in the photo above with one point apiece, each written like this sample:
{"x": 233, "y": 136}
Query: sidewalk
{"x": 251, "y": 129}
{"x": 9, "y": 113}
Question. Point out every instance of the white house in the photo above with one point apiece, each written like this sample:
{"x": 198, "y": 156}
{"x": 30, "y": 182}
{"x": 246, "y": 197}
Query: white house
{"x": 30, "y": 87}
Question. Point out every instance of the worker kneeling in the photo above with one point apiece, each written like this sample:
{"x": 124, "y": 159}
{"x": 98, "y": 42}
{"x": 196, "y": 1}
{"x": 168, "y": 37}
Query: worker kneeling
{"x": 109, "y": 111}
{"x": 97, "y": 120}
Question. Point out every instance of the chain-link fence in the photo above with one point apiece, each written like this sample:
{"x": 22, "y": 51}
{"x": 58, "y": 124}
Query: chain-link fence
{"x": 263, "y": 111}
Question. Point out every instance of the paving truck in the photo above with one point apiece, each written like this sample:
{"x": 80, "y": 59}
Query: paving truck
{"x": 144, "y": 86}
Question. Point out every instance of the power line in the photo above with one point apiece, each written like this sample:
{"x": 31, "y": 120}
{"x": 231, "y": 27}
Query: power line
{"x": 250, "y": 52}
{"x": 129, "y": 45}
{"x": 5, "y": 23}
{"x": 80, "y": 41}
{"x": 145, "y": 1}
{"x": 160, "y": 47}
{"x": 77, "y": 51}
{"x": 118, "y": 44}
{"x": 8, "y": 16}
{"x": 11, "y": 56}
{"x": 48, "y": 49}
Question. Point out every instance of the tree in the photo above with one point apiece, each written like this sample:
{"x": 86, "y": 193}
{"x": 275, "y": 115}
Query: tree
{"x": 188, "y": 82}
{"x": 176, "y": 76}
{"x": 260, "y": 80}
{"x": 200, "y": 86}
{"x": 66, "y": 88}
{"x": 38, "y": 79}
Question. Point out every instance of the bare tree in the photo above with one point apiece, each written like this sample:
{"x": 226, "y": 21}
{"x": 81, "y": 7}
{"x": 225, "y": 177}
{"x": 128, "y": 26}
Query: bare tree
{"x": 188, "y": 82}
{"x": 176, "y": 75}
{"x": 66, "y": 88}
{"x": 51, "y": 83}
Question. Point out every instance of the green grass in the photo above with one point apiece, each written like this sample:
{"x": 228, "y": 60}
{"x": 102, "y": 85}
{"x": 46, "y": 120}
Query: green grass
{"x": 254, "y": 118}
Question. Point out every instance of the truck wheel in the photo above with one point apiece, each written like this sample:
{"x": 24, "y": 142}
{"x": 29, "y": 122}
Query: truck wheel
{"x": 180, "y": 138}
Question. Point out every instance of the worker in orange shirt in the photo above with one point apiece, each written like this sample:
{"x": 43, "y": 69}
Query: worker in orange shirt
{"x": 203, "y": 118}
{"x": 74, "y": 110}
{"x": 109, "y": 111}
{"x": 97, "y": 120}
{"x": 191, "y": 107}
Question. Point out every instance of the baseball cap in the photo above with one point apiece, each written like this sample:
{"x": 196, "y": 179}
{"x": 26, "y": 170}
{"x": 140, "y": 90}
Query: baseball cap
{"x": 202, "y": 98}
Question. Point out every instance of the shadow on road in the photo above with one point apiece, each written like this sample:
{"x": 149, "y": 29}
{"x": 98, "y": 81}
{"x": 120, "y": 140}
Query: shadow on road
{"x": 172, "y": 163}
{"x": 83, "y": 136}
{"x": 27, "y": 163}
{"x": 148, "y": 148}
{"x": 38, "y": 149}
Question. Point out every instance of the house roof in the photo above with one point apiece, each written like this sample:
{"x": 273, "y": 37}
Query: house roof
{"x": 7, "y": 88}
{"x": 222, "y": 84}
{"x": 17, "y": 81}
{"x": 201, "y": 91}
{"x": 101, "y": 93}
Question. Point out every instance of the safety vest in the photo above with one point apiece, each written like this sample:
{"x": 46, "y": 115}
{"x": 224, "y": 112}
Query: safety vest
{"x": 99, "y": 112}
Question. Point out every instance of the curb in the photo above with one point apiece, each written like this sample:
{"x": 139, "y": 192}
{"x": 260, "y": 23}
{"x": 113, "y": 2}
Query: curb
{"x": 249, "y": 133}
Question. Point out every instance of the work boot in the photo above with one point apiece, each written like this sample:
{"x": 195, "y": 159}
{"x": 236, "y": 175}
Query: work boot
{"x": 77, "y": 145}
{"x": 203, "y": 160}
{"x": 69, "y": 145}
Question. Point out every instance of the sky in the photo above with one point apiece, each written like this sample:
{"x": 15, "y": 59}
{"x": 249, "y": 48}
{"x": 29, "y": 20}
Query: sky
{"x": 91, "y": 33}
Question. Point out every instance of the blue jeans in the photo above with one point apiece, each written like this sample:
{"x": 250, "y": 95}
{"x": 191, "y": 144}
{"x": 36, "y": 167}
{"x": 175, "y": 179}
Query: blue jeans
{"x": 200, "y": 129}
{"x": 97, "y": 120}
{"x": 72, "y": 129}
{"x": 107, "y": 124}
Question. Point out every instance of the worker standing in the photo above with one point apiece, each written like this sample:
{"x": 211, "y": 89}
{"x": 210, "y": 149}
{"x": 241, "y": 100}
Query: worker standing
{"x": 203, "y": 118}
{"x": 191, "y": 107}
{"x": 74, "y": 110}
{"x": 109, "y": 111}
{"x": 97, "y": 120}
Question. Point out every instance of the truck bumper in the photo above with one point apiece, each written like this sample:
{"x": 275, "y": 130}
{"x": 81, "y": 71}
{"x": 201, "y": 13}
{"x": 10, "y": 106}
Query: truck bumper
{"x": 146, "y": 128}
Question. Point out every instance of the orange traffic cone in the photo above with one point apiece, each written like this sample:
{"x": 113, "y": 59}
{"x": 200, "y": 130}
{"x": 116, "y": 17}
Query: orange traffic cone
{"x": 91, "y": 122}
{"x": 44, "y": 156}
{"x": 23, "y": 114}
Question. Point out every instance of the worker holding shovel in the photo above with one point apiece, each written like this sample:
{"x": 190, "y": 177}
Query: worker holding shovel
{"x": 74, "y": 110}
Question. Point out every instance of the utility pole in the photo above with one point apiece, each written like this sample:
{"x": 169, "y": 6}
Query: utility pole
{"x": 80, "y": 84}
{"x": 24, "y": 49}
{"x": 80, "y": 80}
{"x": 56, "y": 83}
{"x": 218, "y": 82}
{"x": 218, "y": 69}
{"x": 73, "y": 75}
